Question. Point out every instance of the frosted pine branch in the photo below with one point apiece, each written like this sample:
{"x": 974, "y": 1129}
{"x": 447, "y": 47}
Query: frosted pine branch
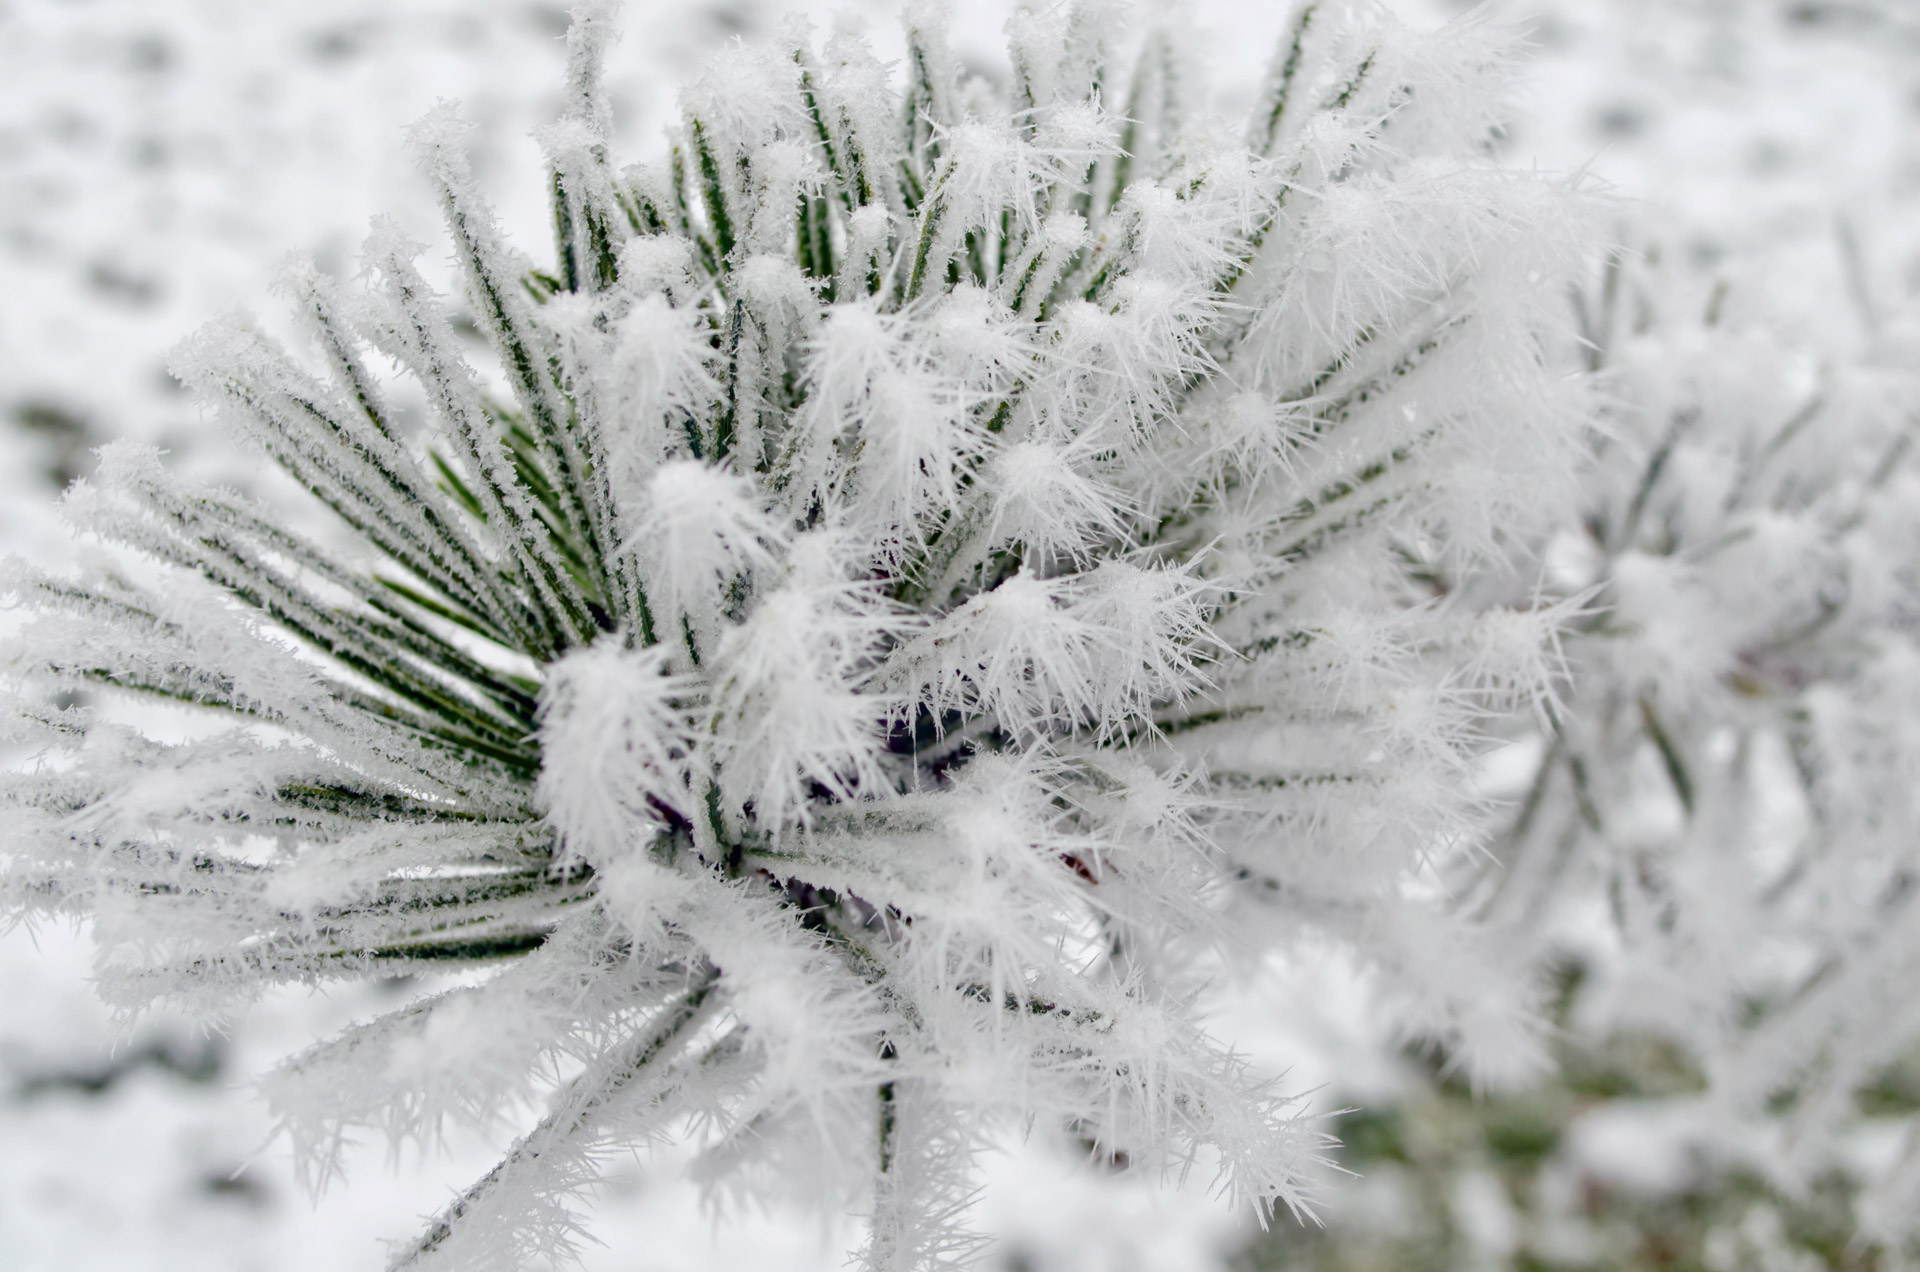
{"x": 1730, "y": 779}
{"x": 921, "y": 570}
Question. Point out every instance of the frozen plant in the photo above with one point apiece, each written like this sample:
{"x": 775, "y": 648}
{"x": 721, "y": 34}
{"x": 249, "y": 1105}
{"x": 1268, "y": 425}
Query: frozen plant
{"x": 926, "y": 576}
{"x": 1723, "y": 831}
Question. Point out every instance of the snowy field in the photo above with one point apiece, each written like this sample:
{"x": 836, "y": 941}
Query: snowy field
{"x": 157, "y": 159}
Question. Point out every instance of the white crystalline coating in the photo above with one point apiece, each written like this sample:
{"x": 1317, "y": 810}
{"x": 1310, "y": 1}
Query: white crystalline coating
{"x": 1176, "y": 238}
{"x": 911, "y": 585}
{"x": 784, "y": 173}
{"x": 1153, "y": 627}
{"x": 614, "y": 734}
{"x": 865, "y": 253}
{"x": 1019, "y": 652}
{"x": 788, "y": 711}
{"x": 698, "y": 531}
{"x": 660, "y": 262}
{"x": 911, "y": 393}
{"x": 1662, "y": 601}
{"x": 647, "y": 370}
{"x": 1044, "y": 499}
{"x": 976, "y": 338}
{"x": 742, "y": 101}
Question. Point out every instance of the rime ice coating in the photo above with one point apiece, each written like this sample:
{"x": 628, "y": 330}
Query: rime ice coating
{"x": 937, "y": 576}
{"x": 1724, "y": 826}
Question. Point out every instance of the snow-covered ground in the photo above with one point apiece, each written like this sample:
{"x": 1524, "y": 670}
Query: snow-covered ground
{"x": 158, "y": 157}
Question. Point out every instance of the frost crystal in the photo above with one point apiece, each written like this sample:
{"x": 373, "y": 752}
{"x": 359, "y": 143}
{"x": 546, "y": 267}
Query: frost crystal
{"x": 922, "y": 575}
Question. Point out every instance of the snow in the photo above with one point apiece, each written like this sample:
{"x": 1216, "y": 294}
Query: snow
{"x": 157, "y": 157}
